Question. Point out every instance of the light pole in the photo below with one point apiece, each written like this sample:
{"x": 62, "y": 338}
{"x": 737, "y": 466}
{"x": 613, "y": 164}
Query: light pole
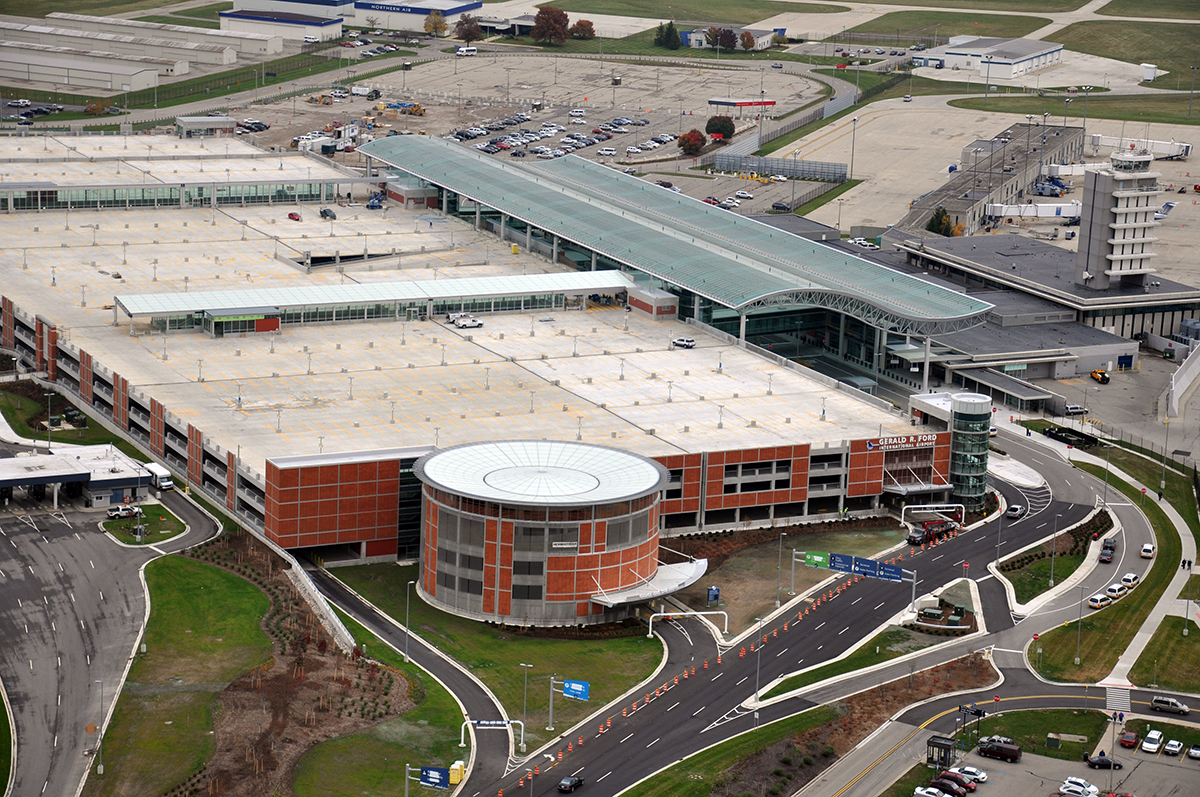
{"x": 1079, "y": 622}
{"x": 839, "y": 221}
{"x": 792, "y": 178}
{"x": 51, "y": 395}
{"x": 999, "y": 532}
{"x": 1042, "y": 149}
{"x": 779, "y": 570}
{"x": 1107, "y": 454}
{"x": 1062, "y": 153}
{"x": 853, "y": 134}
{"x": 1192, "y": 91}
{"x": 758, "y": 656}
{"x": 1053, "y": 548}
{"x": 525, "y": 699}
{"x": 100, "y": 739}
{"x": 987, "y": 79}
{"x": 407, "y": 601}
{"x": 1162, "y": 482}
{"x": 1086, "y": 91}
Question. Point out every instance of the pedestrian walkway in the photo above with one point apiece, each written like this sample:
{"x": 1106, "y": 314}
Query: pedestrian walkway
{"x": 879, "y": 760}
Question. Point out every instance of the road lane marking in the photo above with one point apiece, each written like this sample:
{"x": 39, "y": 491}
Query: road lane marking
{"x": 718, "y": 675}
{"x": 822, "y": 625}
{"x": 654, "y": 742}
{"x": 602, "y": 777}
{"x": 739, "y": 683}
{"x": 53, "y": 627}
{"x": 981, "y": 538}
{"x": 576, "y": 772}
{"x": 93, "y": 564}
{"x": 677, "y": 702}
{"x": 959, "y": 562}
{"x": 1035, "y": 528}
{"x": 844, "y": 630}
{"x": 697, "y": 711}
{"x": 856, "y": 600}
{"x": 627, "y": 738}
{"x": 820, "y": 646}
{"x": 30, "y": 570}
{"x": 61, "y": 569}
{"x": 102, "y": 595}
{"x": 780, "y": 653}
{"x": 72, "y": 594}
{"x": 939, "y": 556}
{"x": 877, "y": 607}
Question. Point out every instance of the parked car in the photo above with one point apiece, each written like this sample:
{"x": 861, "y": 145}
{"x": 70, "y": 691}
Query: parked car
{"x": 1079, "y": 782}
{"x": 1099, "y": 601}
{"x": 1173, "y": 747}
{"x": 684, "y": 343}
{"x": 927, "y": 791}
{"x": 949, "y": 787}
{"x": 743, "y": 194}
{"x": 1129, "y": 739}
{"x": 327, "y": 213}
{"x": 1004, "y": 752}
{"x": 124, "y": 511}
{"x": 1194, "y": 751}
{"x": 1101, "y": 376}
{"x": 1102, "y": 762}
{"x": 1075, "y": 409}
{"x": 977, "y": 775}
{"x": 1153, "y": 742}
{"x": 780, "y": 206}
{"x": 961, "y": 780}
{"x": 294, "y": 216}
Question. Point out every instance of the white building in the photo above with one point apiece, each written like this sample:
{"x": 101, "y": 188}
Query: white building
{"x": 992, "y": 58}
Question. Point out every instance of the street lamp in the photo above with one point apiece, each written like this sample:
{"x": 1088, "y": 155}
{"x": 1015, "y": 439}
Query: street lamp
{"x": 853, "y": 133}
{"x": 1086, "y": 91}
{"x": 1192, "y": 91}
{"x": 407, "y": 601}
{"x": 1162, "y": 482}
{"x": 758, "y": 656}
{"x": 792, "y": 178}
{"x": 1062, "y": 153}
{"x": 1053, "y": 548}
{"x": 1079, "y": 623}
{"x": 51, "y": 395}
{"x": 779, "y": 570}
{"x": 100, "y": 739}
{"x": 987, "y": 79}
{"x": 525, "y": 699}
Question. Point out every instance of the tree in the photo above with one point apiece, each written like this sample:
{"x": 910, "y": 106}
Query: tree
{"x": 467, "y": 28}
{"x": 747, "y": 40}
{"x": 720, "y": 125}
{"x": 671, "y": 39}
{"x": 940, "y": 223}
{"x": 583, "y": 29}
{"x": 372, "y": 22}
{"x": 660, "y": 35}
{"x": 727, "y": 40}
{"x": 550, "y": 25}
{"x": 692, "y": 142}
{"x": 712, "y": 36}
{"x": 95, "y": 108}
{"x": 435, "y": 24}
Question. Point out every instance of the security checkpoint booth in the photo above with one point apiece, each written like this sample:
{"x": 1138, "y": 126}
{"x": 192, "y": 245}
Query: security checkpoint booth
{"x": 102, "y": 475}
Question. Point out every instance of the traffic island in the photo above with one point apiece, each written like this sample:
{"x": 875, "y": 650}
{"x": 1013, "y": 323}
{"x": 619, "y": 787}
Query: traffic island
{"x": 157, "y": 522}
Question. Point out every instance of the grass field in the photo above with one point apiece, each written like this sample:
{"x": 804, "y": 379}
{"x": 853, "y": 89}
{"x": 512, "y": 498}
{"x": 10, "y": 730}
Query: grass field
{"x": 1173, "y": 47}
{"x": 734, "y": 12}
{"x": 1106, "y": 633}
{"x": 370, "y": 763}
{"x": 167, "y": 19}
{"x": 204, "y": 630}
{"x": 826, "y": 198}
{"x": 1042, "y": 6}
{"x": 1166, "y": 108}
{"x": 1149, "y": 9}
{"x": 1194, "y": 592}
{"x": 159, "y": 524}
{"x": 1034, "y": 579}
{"x": 204, "y": 12}
{"x": 1178, "y": 658}
{"x": 19, "y": 411}
{"x": 492, "y": 654}
{"x": 1029, "y": 728}
{"x": 920, "y": 775}
{"x": 95, "y": 7}
{"x": 693, "y": 777}
{"x": 1178, "y": 491}
{"x": 925, "y": 23}
{"x": 890, "y": 644}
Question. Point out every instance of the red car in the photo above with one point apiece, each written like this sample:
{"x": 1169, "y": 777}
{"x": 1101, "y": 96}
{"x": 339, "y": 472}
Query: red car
{"x": 1130, "y": 739}
{"x": 961, "y": 780}
{"x": 294, "y": 216}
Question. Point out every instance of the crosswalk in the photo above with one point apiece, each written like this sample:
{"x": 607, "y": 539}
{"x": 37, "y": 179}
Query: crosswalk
{"x": 1117, "y": 699}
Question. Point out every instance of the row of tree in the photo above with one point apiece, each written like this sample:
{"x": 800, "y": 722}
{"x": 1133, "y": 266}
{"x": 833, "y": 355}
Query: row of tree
{"x": 550, "y": 25}
{"x": 717, "y": 38}
{"x": 693, "y": 141}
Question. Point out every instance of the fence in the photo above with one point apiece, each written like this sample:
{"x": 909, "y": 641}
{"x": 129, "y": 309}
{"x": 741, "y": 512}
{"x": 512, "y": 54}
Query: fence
{"x": 838, "y": 104}
{"x": 1181, "y": 380}
{"x": 789, "y": 167}
{"x": 899, "y": 39}
{"x": 1180, "y": 461}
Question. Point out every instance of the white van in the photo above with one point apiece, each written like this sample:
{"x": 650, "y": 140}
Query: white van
{"x": 462, "y": 51}
{"x": 606, "y": 151}
{"x": 311, "y": 40}
{"x": 578, "y": 112}
{"x": 160, "y": 477}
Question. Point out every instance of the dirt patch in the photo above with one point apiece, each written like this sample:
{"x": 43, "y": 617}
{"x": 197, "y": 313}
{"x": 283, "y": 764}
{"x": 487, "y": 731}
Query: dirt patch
{"x": 309, "y": 692}
{"x": 787, "y": 765}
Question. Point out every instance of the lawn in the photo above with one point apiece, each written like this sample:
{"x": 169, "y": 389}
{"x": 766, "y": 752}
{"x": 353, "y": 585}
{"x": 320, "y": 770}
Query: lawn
{"x": 1166, "y": 108}
{"x": 1041, "y": 6}
{"x": 1194, "y": 592}
{"x": 203, "y": 630}
{"x": 1178, "y": 491}
{"x": 204, "y": 12}
{"x": 492, "y": 654}
{"x": 1178, "y": 658}
{"x": 1108, "y": 632}
{"x": 924, "y": 23}
{"x": 734, "y": 12}
{"x": 159, "y": 524}
{"x": 20, "y": 412}
{"x": 694, "y": 776}
{"x": 166, "y": 19}
{"x": 371, "y": 762}
{"x": 1029, "y": 729}
{"x": 1149, "y": 9}
{"x": 94, "y": 7}
{"x": 920, "y": 775}
{"x": 1034, "y": 579}
{"x": 888, "y": 645}
{"x": 826, "y": 198}
{"x": 1172, "y": 47}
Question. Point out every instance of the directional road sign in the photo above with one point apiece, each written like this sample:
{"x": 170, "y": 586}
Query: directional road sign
{"x": 866, "y": 567}
{"x": 714, "y": 593}
{"x": 841, "y": 562}
{"x": 576, "y": 690}
{"x": 437, "y": 777}
{"x": 890, "y": 572}
{"x": 816, "y": 559}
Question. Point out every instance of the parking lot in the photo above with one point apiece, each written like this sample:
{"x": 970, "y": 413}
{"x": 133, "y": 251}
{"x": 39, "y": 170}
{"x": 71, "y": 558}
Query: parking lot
{"x": 1143, "y": 775}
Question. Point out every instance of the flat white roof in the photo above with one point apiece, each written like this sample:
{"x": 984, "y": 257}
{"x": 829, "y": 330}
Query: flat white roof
{"x": 545, "y": 472}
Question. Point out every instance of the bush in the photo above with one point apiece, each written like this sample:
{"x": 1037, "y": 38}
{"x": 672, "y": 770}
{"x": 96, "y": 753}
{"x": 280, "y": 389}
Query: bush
{"x": 720, "y": 125}
{"x": 808, "y": 760}
{"x": 827, "y": 751}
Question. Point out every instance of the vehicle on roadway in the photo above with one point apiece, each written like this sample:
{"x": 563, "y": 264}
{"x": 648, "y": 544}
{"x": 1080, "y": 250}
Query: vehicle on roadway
{"x": 1079, "y": 783}
{"x": 1162, "y": 703}
{"x": 569, "y": 784}
{"x": 1102, "y": 762}
{"x": 1015, "y": 511}
{"x": 1153, "y": 742}
{"x": 1116, "y": 591}
{"x": 1099, "y": 601}
{"x": 1130, "y": 580}
{"x": 1147, "y": 551}
{"x": 1106, "y": 556}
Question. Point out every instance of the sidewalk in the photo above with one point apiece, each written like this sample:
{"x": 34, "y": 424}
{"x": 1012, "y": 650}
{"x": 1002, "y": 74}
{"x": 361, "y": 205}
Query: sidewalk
{"x": 881, "y": 759}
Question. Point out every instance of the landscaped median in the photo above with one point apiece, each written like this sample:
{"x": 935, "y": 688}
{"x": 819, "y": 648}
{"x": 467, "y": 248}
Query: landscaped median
{"x": 158, "y": 525}
{"x": 612, "y": 659}
{"x": 1107, "y": 633}
{"x": 1029, "y": 570}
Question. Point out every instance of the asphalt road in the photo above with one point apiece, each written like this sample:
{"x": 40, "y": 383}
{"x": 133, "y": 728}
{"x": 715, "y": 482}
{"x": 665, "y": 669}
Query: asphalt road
{"x": 71, "y": 609}
{"x": 709, "y": 707}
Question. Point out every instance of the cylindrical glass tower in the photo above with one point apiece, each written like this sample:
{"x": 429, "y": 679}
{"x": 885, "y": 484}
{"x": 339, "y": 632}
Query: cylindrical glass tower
{"x": 970, "y": 419}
